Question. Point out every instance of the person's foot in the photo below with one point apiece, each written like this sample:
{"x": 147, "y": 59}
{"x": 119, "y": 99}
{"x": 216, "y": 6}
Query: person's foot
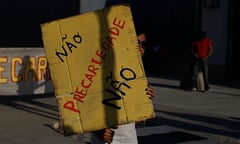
{"x": 207, "y": 88}
{"x": 194, "y": 89}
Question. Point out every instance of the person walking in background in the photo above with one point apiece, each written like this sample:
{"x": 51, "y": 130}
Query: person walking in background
{"x": 202, "y": 49}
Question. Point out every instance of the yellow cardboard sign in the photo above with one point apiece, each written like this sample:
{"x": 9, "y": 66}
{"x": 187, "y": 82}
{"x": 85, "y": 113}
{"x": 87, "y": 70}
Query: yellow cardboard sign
{"x": 97, "y": 70}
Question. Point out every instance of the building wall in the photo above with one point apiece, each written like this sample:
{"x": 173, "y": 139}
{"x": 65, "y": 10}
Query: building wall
{"x": 215, "y": 23}
{"x": 20, "y": 20}
{"x": 170, "y": 24}
{"x": 220, "y": 24}
{"x": 90, "y": 5}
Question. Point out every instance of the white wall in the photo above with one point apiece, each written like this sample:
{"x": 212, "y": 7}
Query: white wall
{"x": 215, "y": 23}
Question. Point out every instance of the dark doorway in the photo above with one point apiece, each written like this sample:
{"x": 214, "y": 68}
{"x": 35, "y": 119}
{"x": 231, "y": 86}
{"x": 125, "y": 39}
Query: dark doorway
{"x": 170, "y": 27}
{"x": 234, "y": 28}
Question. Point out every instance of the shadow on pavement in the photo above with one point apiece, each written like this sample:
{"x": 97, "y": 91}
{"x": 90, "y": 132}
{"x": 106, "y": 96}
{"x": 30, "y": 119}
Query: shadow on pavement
{"x": 204, "y": 124}
{"x": 32, "y": 104}
{"x": 165, "y": 86}
{"x": 168, "y": 138}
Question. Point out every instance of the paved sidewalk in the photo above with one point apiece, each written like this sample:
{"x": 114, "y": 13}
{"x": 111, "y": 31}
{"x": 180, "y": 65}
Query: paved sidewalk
{"x": 213, "y": 115}
{"x": 182, "y": 117}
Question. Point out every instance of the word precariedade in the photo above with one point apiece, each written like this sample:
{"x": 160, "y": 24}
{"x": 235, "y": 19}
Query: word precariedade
{"x": 35, "y": 64}
{"x": 94, "y": 66}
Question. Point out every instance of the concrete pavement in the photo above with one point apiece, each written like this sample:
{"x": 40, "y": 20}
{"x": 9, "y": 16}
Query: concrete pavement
{"x": 182, "y": 117}
{"x": 213, "y": 115}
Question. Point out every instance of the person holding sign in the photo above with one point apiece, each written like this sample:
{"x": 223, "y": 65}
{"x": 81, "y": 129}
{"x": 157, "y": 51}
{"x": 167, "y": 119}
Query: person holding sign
{"x": 122, "y": 134}
{"x": 126, "y": 133}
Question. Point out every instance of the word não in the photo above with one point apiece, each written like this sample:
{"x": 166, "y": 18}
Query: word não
{"x": 117, "y": 91}
{"x": 76, "y": 40}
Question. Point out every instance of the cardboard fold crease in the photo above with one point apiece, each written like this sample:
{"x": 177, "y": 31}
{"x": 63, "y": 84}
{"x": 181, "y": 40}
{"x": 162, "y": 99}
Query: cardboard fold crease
{"x": 96, "y": 68}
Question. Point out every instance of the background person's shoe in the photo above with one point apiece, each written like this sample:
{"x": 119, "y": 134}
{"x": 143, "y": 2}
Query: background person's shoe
{"x": 207, "y": 88}
{"x": 194, "y": 89}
